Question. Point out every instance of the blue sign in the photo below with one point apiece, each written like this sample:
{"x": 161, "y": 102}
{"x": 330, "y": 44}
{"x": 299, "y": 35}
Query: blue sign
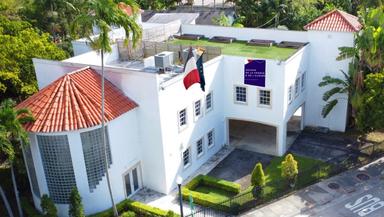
{"x": 254, "y": 73}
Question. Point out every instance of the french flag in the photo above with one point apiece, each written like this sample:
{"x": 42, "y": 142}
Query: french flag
{"x": 190, "y": 70}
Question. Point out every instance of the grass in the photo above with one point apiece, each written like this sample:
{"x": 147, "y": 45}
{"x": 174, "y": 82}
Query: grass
{"x": 240, "y": 48}
{"x": 222, "y": 195}
{"x": 276, "y": 185}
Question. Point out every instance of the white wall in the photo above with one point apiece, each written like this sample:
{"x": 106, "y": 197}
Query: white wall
{"x": 174, "y": 98}
{"x": 125, "y": 151}
{"x": 245, "y": 33}
{"x": 323, "y": 52}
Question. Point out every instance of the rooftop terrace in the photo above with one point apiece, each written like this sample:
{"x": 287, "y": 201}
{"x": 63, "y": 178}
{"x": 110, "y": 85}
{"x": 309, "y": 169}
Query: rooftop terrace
{"x": 240, "y": 48}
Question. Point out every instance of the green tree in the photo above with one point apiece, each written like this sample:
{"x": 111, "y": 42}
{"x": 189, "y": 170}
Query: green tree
{"x": 11, "y": 121}
{"x": 103, "y": 14}
{"x": 48, "y": 207}
{"x": 289, "y": 169}
{"x": 75, "y": 206}
{"x": 221, "y": 20}
{"x": 258, "y": 177}
{"x": 371, "y": 114}
{"x": 19, "y": 43}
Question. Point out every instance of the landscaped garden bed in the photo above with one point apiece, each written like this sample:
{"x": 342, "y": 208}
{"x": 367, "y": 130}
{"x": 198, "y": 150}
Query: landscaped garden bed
{"x": 226, "y": 196}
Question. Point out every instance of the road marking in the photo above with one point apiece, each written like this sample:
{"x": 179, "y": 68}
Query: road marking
{"x": 365, "y": 205}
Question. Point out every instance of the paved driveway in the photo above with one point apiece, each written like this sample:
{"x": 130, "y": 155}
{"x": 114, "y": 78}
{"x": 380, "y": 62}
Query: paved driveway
{"x": 238, "y": 165}
{"x": 350, "y": 197}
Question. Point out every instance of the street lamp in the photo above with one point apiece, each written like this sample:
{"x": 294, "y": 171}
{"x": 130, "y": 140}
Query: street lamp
{"x": 179, "y": 180}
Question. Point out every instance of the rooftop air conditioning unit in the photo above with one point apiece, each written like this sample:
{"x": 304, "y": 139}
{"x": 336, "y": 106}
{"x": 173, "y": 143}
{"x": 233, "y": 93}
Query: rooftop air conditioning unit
{"x": 164, "y": 59}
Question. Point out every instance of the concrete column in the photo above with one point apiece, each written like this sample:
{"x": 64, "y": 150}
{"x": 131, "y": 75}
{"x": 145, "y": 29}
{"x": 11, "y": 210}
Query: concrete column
{"x": 281, "y": 135}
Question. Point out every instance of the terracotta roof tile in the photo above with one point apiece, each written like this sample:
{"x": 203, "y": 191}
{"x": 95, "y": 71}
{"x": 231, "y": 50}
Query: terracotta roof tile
{"x": 336, "y": 20}
{"x": 73, "y": 102}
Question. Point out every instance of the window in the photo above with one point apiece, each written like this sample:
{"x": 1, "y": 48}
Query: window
{"x": 240, "y": 94}
{"x": 58, "y": 169}
{"x": 303, "y": 81}
{"x": 265, "y": 97}
{"x": 199, "y": 147}
{"x": 132, "y": 180}
{"x": 290, "y": 96}
{"x": 186, "y": 157}
{"x": 31, "y": 170}
{"x": 94, "y": 155}
{"x": 183, "y": 118}
{"x": 197, "y": 108}
{"x": 208, "y": 102}
{"x": 297, "y": 86}
{"x": 211, "y": 138}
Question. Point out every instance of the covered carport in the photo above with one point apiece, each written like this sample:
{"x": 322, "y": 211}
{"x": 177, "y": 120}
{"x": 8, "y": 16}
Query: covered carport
{"x": 253, "y": 136}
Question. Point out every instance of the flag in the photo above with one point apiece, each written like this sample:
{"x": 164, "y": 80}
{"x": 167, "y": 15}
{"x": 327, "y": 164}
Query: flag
{"x": 190, "y": 70}
{"x": 200, "y": 67}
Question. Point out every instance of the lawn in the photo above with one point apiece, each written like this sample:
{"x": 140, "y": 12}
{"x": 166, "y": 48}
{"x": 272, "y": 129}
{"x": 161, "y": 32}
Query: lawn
{"x": 240, "y": 48}
{"x": 221, "y": 195}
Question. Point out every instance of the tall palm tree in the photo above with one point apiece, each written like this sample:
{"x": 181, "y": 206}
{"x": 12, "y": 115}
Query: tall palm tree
{"x": 12, "y": 121}
{"x": 104, "y": 14}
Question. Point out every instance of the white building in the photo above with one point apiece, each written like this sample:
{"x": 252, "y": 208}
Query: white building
{"x": 157, "y": 129}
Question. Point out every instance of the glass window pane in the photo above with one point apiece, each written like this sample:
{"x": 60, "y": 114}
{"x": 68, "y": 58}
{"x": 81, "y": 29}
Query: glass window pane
{"x": 128, "y": 185}
{"x": 135, "y": 179}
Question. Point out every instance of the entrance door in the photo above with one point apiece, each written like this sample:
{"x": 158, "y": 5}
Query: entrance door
{"x": 132, "y": 180}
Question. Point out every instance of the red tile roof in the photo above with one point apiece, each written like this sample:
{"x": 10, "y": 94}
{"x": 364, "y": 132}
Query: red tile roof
{"x": 128, "y": 9}
{"x": 337, "y": 21}
{"x": 73, "y": 102}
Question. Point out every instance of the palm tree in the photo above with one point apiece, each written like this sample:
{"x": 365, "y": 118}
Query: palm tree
{"x": 104, "y": 14}
{"x": 12, "y": 121}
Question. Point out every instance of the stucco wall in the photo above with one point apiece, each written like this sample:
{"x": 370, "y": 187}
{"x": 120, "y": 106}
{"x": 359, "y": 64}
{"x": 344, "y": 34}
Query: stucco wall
{"x": 245, "y": 33}
{"x": 322, "y": 61}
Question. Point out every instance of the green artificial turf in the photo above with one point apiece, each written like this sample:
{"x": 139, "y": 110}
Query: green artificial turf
{"x": 240, "y": 48}
{"x": 221, "y": 195}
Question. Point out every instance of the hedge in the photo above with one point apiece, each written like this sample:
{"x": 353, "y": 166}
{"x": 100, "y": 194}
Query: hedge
{"x": 209, "y": 200}
{"x": 137, "y": 207}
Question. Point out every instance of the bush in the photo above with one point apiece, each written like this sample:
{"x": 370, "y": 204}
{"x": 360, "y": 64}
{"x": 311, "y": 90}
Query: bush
{"x": 289, "y": 169}
{"x": 137, "y": 207}
{"x": 258, "y": 177}
{"x": 48, "y": 207}
{"x": 210, "y": 200}
{"x": 75, "y": 206}
{"x": 213, "y": 182}
{"x": 128, "y": 214}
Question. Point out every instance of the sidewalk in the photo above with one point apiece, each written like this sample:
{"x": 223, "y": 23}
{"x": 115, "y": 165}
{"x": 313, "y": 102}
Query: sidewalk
{"x": 335, "y": 196}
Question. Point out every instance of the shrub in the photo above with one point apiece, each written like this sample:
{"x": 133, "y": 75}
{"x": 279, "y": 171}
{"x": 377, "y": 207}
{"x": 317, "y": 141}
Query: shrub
{"x": 128, "y": 214}
{"x": 210, "y": 200}
{"x": 289, "y": 169}
{"x": 75, "y": 206}
{"x": 258, "y": 177}
{"x": 138, "y": 208}
{"x": 48, "y": 207}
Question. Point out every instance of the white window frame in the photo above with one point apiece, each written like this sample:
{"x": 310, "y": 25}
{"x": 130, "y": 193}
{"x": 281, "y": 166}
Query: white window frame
{"x": 139, "y": 176}
{"x": 213, "y": 138}
{"x": 182, "y": 127}
{"x": 211, "y": 108}
{"x": 235, "y": 94}
{"x": 297, "y": 86}
{"x": 290, "y": 94}
{"x": 303, "y": 75}
{"x": 259, "y": 96}
{"x": 189, "y": 157}
{"x": 198, "y": 155}
{"x": 197, "y": 117}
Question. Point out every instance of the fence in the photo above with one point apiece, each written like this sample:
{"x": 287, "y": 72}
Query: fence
{"x": 250, "y": 199}
{"x": 150, "y": 48}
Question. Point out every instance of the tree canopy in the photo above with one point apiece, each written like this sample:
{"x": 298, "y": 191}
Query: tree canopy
{"x": 19, "y": 43}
